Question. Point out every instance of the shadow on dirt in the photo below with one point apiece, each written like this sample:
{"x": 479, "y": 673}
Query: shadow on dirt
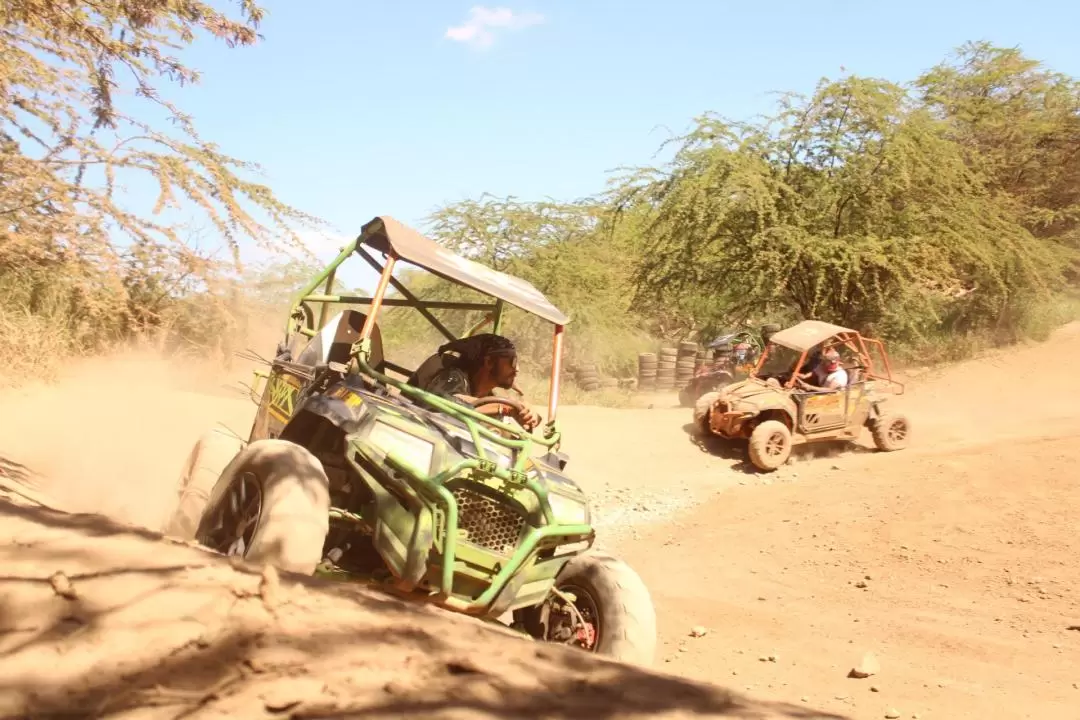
{"x": 134, "y": 622}
{"x": 735, "y": 450}
{"x": 15, "y": 471}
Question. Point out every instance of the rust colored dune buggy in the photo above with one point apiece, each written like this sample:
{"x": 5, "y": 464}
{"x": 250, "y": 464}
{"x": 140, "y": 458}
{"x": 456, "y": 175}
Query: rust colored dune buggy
{"x": 775, "y": 409}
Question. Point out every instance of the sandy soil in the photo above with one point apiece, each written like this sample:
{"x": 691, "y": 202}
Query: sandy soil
{"x": 952, "y": 562}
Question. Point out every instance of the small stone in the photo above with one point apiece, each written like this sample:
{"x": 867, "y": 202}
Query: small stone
{"x": 463, "y": 666}
{"x": 860, "y": 584}
{"x": 62, "y": 586}
{"x": 278, "y": 700}
{"x": 397, "y": 687}
{"x": 874, "y": 688}
{"x": 869, "y": 666}
{"x": 805, "y": 699}
{"x": 772, "y": 658}
{"x": 698, "y": 631}
{"x": 892, "y": 713}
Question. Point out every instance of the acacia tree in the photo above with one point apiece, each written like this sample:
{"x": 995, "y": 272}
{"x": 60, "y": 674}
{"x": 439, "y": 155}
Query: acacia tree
{"x": 852, "y": 206}
{"x": 1020, "y": 126}
{"x": 65, "y": 139}
{"x": 78, "y": 82}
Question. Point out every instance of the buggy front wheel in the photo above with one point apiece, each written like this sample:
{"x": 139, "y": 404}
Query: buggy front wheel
{"x": 702, "y": 407}
{"x": 770, "y": 445}
{"x": 891, "y": 432}
{"x": 602, "y": 606}
{"x": 271, "y": 505}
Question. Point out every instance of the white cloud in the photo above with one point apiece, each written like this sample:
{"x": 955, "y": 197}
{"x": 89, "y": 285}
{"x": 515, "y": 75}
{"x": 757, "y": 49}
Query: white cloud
{"x": 484, "y": 22}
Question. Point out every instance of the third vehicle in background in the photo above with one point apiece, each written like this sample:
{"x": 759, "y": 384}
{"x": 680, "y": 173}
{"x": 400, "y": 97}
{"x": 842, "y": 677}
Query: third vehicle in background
{"x": 734, "y": 357}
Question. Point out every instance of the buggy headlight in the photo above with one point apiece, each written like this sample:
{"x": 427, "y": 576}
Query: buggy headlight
{"x": 568, "y": 511}
{"x": 413, "y": 450}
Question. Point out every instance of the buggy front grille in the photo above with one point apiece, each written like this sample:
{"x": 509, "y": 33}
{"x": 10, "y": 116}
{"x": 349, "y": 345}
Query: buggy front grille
{"x": 486, "y": 522}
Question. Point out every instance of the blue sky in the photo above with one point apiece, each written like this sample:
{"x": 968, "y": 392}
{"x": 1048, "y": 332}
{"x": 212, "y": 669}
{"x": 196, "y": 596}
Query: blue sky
{"x": 359, "y": 108}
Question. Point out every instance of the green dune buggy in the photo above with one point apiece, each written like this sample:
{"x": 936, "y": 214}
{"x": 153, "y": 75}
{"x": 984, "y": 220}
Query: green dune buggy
{"x": 352, "y": 471}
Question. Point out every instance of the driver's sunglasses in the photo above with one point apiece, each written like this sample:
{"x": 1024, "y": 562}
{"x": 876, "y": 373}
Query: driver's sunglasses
{"x": 510, "y": 358}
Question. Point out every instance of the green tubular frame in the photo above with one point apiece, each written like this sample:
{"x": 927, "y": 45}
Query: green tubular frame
{"x": 479, "y": 427}
{"x": 434, "y": 488}
{"x": 474, "y": 421}
{"x": 326, "y": 278}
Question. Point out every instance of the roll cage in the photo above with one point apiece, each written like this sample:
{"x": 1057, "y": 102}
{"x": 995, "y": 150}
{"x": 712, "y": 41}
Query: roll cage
{"x": 396, "y": 242}
{"x": 810, "y": 338}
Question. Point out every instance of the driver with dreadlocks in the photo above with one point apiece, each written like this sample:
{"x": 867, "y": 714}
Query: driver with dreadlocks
{"x": 484, "y": 362}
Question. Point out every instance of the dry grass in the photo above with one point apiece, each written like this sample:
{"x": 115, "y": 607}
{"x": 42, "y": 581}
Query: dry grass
{"x": 37, "y": 348}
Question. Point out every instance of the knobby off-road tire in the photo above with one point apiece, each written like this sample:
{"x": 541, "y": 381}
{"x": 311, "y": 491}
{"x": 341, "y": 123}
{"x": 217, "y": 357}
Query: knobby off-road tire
{"x": 770, "y": 445}
{"x": 626, "y": 622}
{"x": 294, "y": 506}
{"x": 891, "y": 431}
{"x": 208, "y": 458}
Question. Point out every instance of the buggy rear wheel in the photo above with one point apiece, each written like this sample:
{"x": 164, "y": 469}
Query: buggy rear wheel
{"x": 770, "y": 445}
{"x": 271, "y": 505}
{"x": 602, "y": 606}
{"x": 208, "y": 458}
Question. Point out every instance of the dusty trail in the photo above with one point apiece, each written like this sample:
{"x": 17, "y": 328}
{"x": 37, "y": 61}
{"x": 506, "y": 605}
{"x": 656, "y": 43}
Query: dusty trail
{"x": 963, "y": 541}
{"x": 953, "y": 561}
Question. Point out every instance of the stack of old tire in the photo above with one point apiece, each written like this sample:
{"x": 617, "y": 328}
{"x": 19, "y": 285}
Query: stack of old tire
{"x": 684, "y": 364}
{"x": 646, "y": 363}
{"x": 665, "y": 368}
{"x": 704, "y": 359}
{"x": 588, "y": 377}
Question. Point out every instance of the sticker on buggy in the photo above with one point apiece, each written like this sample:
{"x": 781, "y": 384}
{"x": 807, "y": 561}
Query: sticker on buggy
{"x": 282, "y": 398}
{"x": 347, "y": 396}
{"x": 822, "y": 402}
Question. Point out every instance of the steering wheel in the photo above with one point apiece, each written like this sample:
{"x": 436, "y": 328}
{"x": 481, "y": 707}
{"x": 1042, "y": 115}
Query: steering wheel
{"x": 488, "y": 399}
{"x": 512, "y": 402}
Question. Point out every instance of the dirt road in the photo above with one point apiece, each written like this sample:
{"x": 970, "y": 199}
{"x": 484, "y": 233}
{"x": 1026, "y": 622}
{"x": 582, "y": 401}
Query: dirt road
{"x": 953, "y": 561}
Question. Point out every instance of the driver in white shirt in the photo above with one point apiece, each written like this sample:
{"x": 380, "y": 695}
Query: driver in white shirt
{"x": 836, "y": 376}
